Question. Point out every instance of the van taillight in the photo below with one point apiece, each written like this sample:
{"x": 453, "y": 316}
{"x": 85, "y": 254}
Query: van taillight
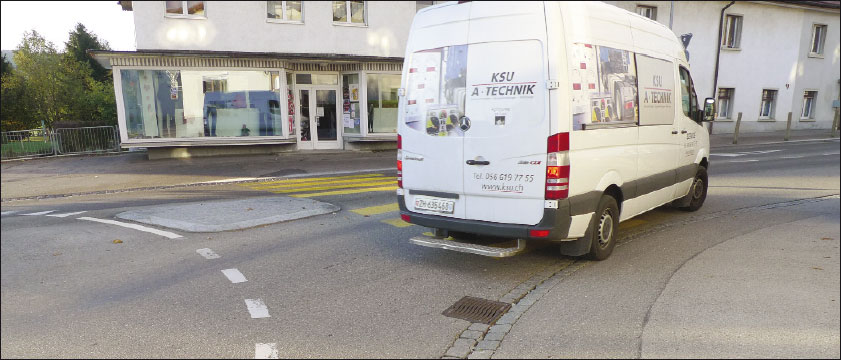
{"x": 558, "y": 166}
{"x": 400, "y": 162}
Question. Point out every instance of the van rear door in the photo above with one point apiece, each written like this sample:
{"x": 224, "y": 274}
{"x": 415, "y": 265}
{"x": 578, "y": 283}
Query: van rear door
{"x": 505, "y": 132}
{"x": 434, "y": 81}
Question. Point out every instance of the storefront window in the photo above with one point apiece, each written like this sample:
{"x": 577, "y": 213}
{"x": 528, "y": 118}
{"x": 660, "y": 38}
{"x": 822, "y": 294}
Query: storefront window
{"x": 351, "y": 103}
{"x": 382, "y": 93}
{"x": 190, "y": 104}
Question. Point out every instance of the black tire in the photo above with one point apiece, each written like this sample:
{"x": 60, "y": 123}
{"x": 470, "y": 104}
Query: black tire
{"x": 603, "y": 228}
{"x": 698, "y": 190}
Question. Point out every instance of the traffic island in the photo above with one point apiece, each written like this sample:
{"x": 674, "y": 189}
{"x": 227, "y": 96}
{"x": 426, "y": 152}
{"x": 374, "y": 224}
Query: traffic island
{"x": 228, "y": 215}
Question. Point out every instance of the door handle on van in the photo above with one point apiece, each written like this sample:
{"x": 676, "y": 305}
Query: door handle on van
{"x": 477, "y": 162}
{"x": 683, "y": 132}
{"x": 674, "y": 132}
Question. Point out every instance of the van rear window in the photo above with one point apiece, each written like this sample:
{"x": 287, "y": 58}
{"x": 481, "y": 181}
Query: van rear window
{"x": 435, "y": 90}
{"x": 604, "y": 84}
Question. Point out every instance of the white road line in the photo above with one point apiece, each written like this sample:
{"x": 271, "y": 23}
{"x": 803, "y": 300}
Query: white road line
{"x": 65, "y": 214}
{"x": 169, "y": 235}
{"x": 6, "y": 213}
{"x": 38, "y": 213}
{"x": 234, "y": 275}
{"x": 207, "y": 253}
{"x": 830, "y": 153}
{"x": 257, "y": 308}
{"x": 743, "y": 161}
{"x": 793, "y": 157}
{"x": 265, "y": 351}
{"x": 727, "y": 154}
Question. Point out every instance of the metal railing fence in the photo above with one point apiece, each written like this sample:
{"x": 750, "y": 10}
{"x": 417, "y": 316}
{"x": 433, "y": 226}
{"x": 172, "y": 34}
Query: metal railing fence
{"x": 61, "y": 141}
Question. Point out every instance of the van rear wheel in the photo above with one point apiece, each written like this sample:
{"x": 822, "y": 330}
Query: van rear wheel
{"x": 603, "y": 229}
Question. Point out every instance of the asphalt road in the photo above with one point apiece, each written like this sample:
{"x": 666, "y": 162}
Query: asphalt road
{"x": 349, "y": 285}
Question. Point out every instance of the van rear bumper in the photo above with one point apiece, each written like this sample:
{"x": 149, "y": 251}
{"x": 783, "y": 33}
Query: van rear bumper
{"x": 557, "y": 221}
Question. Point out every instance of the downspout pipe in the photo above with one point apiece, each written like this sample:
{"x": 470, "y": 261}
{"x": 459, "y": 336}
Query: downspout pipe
{"x": 718, "y": 50}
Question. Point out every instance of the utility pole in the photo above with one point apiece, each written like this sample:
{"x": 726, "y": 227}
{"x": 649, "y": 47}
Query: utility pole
{"x": 672, "y": 5}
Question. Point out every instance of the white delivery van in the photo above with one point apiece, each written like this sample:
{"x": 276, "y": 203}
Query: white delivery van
{"x": 544, "y": 120}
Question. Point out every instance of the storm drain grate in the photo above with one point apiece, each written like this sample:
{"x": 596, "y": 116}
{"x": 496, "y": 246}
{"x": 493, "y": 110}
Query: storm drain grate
{"x": 477, "y": 310}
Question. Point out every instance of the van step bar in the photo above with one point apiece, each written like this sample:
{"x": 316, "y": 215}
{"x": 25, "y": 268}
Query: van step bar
{"x": 453, "y": 245}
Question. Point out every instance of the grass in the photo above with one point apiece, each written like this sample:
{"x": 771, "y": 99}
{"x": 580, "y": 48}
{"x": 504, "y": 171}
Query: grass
{"x": 27, "y": 147}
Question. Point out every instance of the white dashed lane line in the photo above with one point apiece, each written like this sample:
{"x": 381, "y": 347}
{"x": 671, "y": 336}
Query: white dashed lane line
{"x": 265, "y": 351}
{"x": 38, "y": 213}
{"x": 6, "y": 213}
{"x": 207, "y": 253}
{"x": 169, "y": 235}
{"x": 743, "y": 161}
{"x": 234, "y": 275}
{"x": 257, "y": 309}
{"x": 65, "y": 214}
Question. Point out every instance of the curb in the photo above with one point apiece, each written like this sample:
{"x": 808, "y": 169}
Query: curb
{"x": 195, "y": 184}
{"x": 776, "y": 142}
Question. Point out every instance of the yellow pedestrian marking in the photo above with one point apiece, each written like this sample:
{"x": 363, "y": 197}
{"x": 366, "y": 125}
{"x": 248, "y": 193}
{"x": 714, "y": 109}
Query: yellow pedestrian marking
{"x": 342, "y": 186}
{"x": 306, "y": 184}
{"x": 370, "y": 211}
{"x": 301, "y": 180}
{"x": 397, "y": 222}
{"x": 346, "y": 191}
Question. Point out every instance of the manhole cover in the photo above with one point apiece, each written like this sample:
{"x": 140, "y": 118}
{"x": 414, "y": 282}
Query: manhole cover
{"x": 477, "y": 310}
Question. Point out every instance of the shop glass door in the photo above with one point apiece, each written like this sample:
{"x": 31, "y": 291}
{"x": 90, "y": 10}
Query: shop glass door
{"x": 317, "y": 118}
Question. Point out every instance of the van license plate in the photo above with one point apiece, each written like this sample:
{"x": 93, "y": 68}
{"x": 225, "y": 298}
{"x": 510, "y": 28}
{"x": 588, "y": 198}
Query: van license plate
{"x": 437, "y": 205}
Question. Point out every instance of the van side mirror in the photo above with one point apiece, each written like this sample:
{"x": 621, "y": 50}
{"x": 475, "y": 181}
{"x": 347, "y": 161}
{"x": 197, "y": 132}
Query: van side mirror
{"x": 709, "y": 110}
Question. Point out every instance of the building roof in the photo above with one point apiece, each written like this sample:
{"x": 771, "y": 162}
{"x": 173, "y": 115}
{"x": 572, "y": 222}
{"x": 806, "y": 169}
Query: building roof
{"x": 820, "y": 4}
{"x": 244, "y": 55}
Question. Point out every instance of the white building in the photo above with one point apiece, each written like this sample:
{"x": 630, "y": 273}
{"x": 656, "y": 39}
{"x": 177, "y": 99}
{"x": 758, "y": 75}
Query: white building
{"x": 268, "y": 76}
{"x": 776, "y": 57}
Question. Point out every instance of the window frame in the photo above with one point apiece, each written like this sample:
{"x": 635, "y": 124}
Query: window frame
{"x": 773, "y": 106}
{"x": 348, "y": 22}
{"x": 283, "y": 20}
{"x": 364, "y": 131}
{"x": 812, "y": 114}
{"x": 652, "y": 9}
{"x": 184, "y": 10}
{"x": 730, "y": 105}
{"x": 820, "y": 53}
{"x": 723, "y": 42}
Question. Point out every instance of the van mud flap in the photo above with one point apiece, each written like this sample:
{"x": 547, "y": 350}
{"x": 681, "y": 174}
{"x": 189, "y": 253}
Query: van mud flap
{"x": 452, "y": 244}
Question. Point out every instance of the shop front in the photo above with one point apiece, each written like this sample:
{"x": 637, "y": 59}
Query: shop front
{"x": 206, "y": 100}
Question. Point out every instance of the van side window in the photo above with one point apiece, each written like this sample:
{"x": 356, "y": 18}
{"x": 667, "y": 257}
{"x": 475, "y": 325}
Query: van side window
{"x": 688, "y": 93}
{"x": 604, "y": 86}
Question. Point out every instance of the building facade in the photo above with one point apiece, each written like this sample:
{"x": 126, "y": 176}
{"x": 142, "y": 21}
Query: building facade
{"x": 326, "y": 75}
{"x": 775, "y": 58}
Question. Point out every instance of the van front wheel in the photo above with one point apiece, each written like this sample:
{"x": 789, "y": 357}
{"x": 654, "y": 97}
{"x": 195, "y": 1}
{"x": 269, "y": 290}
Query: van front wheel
{"x": 603, "y": 229}
{"x": 698, "y": 190}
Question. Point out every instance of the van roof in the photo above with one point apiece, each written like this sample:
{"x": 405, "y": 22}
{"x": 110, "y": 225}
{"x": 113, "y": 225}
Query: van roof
{"x": 581, "y": 19}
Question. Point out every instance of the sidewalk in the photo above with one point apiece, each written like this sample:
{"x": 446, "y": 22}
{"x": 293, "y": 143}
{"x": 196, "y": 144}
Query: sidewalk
{"x": 83, "y": 174}
{"x": 726, "y": 139}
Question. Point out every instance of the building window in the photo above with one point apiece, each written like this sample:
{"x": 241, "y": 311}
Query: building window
{"x": 382, "y": 97}
{"x": 733, "y": 27}
{"x": 808, "y": 105}
{"x": 284, "y": 11}
{"x": 725, "y": 99}
{"x": 351, "y": 103}
{"x": 349, "y": 12}
{"x": 647, "y": 11}
{"x": 201, "y": 103}
{"x": 819, "y": 32}
{"x": 186, "y": 8}
{"x": 422, "y": 4}
{"x": 767, "y": 104}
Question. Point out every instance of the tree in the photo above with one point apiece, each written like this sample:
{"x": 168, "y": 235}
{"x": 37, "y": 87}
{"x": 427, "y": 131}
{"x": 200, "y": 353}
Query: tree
{"x": 77, "y": 46}
{"x": 6, "y": 68}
